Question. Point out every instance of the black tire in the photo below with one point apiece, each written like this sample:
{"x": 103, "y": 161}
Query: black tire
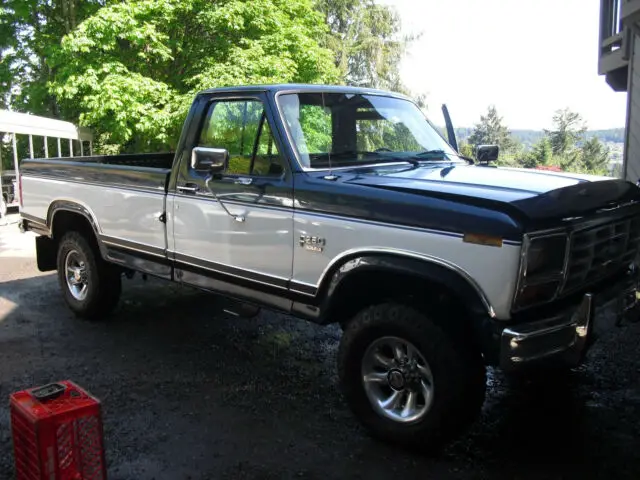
{"x": 103, "y": 280}
{"x": 459, "y": 376}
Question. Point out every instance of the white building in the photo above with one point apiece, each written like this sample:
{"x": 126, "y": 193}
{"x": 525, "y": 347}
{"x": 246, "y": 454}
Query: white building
{"x": 619, "y": 62}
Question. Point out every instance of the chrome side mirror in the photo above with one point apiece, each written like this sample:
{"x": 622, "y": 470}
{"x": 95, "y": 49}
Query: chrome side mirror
{"x": 213, "y": 160}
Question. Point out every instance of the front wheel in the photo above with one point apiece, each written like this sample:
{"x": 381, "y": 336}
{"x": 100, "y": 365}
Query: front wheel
{"x": 406, "y": 380}
{"x": 91, "y": 287}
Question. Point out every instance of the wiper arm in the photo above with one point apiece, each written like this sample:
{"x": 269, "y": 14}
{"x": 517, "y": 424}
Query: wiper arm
{"x": 431, "y": 153}
{"x": 344, "y": 153}
{"x": 381, "y": 157}
{"x": 440, "y": 154}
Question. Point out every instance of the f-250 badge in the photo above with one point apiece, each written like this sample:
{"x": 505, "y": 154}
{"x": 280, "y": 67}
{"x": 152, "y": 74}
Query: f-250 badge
{"x": 315, "y": 244}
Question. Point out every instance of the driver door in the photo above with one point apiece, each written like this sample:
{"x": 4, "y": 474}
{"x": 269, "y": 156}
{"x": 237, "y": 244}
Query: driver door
{"x": 236, "y": 228}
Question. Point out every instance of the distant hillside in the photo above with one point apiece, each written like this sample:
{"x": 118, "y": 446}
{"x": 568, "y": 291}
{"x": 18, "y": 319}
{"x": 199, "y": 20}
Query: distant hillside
{"x": 614, "y": 135}
{"x": 529, "y": 137}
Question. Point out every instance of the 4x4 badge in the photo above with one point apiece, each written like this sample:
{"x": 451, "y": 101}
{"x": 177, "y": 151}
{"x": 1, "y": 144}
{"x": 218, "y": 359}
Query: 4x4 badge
{"x": 315, "y": 244}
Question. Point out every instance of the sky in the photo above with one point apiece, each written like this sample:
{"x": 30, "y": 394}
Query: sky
{"x": 528, "y": 58}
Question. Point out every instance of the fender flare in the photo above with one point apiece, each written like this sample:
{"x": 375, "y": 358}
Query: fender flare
{"x": 71, "y": 206}
{"x": 422, "y": 266}
{"x": 74, "y": 207}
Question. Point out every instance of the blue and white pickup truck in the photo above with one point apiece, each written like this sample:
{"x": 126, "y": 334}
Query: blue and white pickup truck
{"x": 345, "y": 205}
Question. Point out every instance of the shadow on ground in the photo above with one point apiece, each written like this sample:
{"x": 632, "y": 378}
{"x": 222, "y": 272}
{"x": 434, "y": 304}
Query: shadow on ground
{"x": 189, "y": 393}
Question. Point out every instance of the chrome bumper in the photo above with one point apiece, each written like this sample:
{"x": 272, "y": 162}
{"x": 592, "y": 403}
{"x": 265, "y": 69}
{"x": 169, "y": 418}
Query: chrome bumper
{"x": 565, "y": 338}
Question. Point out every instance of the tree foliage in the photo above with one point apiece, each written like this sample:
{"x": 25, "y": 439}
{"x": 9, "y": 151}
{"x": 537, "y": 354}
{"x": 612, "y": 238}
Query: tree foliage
{"x": 569, "y": 129}
{"x": 466, "y": 149}
{"x": 491, "y": 131}
{"x": 541, "y": 154}
{"x": 594, "y": 156}
{"x": 132, "y": 68}
{"x": 129, "y": 69}
{"x": 530, "y": 137}
{"x": 30, "y": 31}
{"x": 565, "y": 147}
{"x": 366, "y": 40}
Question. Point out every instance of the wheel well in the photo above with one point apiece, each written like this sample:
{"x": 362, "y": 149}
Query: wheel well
{"x": 62, "y": 222}
{"x": 65, "y": 221}
{"x": 365, "y": 288}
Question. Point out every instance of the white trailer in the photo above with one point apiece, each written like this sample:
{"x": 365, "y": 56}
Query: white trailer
{"x": 13, "y": 124}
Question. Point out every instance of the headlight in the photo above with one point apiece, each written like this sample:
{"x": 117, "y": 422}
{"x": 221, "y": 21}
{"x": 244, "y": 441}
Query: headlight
{"x": 545, "y": 256}
{"x": 542, "y": 269}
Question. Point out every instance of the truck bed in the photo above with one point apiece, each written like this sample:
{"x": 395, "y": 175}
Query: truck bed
{"x": 122, "y": 195}
{"x": 140, "y": 171}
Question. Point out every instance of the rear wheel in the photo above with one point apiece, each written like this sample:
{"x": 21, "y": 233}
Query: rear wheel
{"x": 406, "y": 380}
{"x": 91, "y": 287}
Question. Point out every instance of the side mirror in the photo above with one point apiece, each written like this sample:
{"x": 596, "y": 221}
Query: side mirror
{"x": 487, "y": 153}
{"x": 205, "y": 159}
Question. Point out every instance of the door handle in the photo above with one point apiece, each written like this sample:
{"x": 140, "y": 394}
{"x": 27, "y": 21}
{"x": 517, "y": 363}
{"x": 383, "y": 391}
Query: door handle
{"x": 186, "y": 189}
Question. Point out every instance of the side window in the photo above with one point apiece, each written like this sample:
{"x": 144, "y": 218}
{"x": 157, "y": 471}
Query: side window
{"x": 241, "y": 127}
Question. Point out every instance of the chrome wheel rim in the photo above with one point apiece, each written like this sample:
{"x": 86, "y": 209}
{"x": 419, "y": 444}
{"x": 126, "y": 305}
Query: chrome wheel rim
{"x": 76, "y": 274}
{"x": 397, "y": 380}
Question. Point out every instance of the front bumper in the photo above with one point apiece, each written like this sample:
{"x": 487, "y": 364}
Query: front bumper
{"x": 564, "y": 337}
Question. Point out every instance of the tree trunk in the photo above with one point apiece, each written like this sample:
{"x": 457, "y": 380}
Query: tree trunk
{"x": 65, "y": 15}
{"x": 72, "y": 14}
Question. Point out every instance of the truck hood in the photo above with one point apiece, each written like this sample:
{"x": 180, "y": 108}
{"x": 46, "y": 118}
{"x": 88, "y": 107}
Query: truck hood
{"x": 534, "y": 194}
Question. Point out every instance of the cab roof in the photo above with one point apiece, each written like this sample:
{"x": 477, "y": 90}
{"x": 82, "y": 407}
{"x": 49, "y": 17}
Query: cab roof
{"x": 302, "y": 87}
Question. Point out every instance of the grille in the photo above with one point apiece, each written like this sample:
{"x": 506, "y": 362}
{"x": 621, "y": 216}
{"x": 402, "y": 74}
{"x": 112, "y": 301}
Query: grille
{"x": 601, "y": 251}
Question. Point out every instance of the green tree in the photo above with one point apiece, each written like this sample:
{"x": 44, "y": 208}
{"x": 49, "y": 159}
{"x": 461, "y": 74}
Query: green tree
{"x": 129, "y": 69}
{"x": 540, "y": 154}
{"x": 491, "y": 131}
{"x": 133, "y": 68}
{"x": 466, "y": 149}
{"x": 568, "y": 129}
{"x": 29, "y": 31}
{"x": 594, "y": 156}
{"x": 366, "y": 41}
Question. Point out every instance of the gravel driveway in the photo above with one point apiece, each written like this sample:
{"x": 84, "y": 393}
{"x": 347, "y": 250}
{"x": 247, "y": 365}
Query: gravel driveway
{"x": 189, "y": 393}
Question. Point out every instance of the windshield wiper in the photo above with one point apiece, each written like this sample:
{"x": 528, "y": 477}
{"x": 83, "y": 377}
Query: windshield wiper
{"x": 431, "y": 154}
{"x": 441, "y": 155}
{"x": 370, "y": 158}
{"x": 344, "y": 153}
{"x": 363, "y": 163}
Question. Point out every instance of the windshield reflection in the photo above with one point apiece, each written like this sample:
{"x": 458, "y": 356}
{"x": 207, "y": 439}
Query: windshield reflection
{"x": 330, "y": 130}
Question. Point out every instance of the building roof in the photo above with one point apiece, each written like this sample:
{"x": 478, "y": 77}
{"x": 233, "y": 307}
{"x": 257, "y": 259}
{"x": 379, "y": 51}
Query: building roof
{"x": 27, "y": 124}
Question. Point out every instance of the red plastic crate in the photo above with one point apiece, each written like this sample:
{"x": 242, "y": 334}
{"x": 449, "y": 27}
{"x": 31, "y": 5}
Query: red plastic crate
{"x": 57, "y": 433}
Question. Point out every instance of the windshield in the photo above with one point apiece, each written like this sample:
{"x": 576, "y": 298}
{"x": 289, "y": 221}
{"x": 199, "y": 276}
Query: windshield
{"x": 345, "y": 129}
